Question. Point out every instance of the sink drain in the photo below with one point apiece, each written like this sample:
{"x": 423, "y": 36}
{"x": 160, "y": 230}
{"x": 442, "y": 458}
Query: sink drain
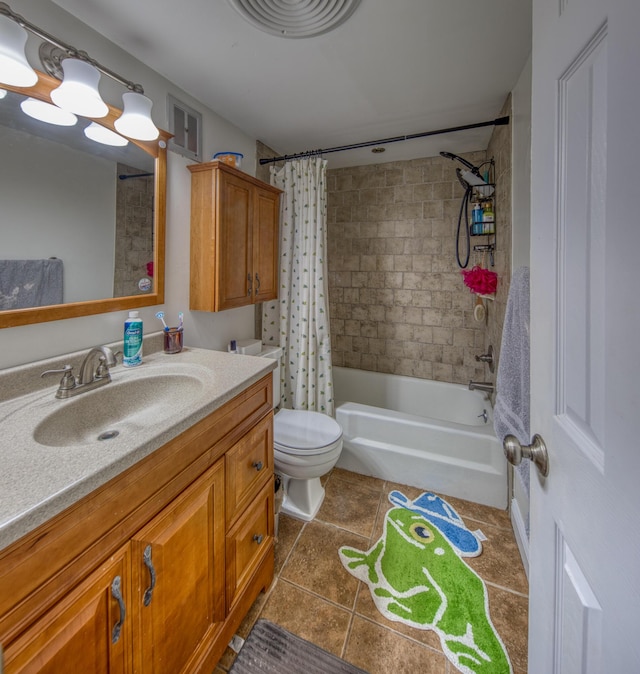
{"x": 108, "y": 435}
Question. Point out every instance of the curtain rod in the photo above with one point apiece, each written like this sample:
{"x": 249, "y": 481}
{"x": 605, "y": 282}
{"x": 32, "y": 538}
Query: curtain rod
{"x": 500, "y": 121}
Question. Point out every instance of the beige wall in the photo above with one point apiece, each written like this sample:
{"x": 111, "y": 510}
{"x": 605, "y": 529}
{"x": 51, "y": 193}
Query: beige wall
{"x": 396, "y": 295}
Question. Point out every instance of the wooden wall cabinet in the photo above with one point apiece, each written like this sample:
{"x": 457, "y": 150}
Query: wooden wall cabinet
{"x": 234, "y": 238}
{"x": 152, "y": 573}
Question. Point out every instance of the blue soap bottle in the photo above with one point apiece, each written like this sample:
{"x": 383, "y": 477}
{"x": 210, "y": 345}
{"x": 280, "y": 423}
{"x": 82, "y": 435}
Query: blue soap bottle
{"x": 132, "y": 340}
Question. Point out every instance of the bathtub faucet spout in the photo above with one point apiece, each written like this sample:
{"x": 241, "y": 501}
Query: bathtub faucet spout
{"x": 485, "y": 386}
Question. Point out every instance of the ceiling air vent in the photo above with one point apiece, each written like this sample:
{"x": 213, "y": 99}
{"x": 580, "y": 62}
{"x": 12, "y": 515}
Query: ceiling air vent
{"x": 295, "y": 18}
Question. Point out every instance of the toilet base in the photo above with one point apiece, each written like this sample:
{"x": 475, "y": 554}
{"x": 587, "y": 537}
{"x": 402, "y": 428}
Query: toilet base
{"x": 302, "y": 498}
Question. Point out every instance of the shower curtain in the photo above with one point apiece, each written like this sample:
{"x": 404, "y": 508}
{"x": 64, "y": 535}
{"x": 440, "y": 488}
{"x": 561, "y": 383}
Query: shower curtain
{"x": 298, "y": 320}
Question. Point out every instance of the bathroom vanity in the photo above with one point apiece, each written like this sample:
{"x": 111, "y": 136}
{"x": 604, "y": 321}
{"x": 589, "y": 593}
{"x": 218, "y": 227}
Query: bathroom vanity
{"x": 143, "y": 556}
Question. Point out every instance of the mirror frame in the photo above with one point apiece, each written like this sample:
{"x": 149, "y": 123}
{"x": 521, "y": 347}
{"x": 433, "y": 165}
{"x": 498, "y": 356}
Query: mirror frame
{"x": 158, "y": 150}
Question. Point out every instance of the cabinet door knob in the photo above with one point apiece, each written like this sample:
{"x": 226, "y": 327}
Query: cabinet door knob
{"x": 257, "y": 465}
{"x": 250, "y": 284}
{"x": 257, "y": 538}
{"x": 146, "y": 557}
{"x": 116, "y": 593}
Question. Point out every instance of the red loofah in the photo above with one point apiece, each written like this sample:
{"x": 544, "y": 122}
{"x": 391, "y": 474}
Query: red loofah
{"x": 480, "y": 281}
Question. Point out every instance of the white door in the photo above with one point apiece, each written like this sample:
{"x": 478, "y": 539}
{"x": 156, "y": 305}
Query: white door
{"x": 585, "y": 337}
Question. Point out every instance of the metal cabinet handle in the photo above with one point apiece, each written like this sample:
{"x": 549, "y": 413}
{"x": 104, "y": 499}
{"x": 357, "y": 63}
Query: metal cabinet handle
{"x": 257, "y": 283}
{"x": 257, "y": 538}
{"x": 536, "y": 452}
{"x": 146, "y": 556}
{"x": 250, "y": 284}
{"x": 116, "y": 593}
{"x": 257, "y": 465}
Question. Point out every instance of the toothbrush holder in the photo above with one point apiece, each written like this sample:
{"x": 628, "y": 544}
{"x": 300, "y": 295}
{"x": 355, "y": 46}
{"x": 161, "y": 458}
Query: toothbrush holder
{"x": 173, "y": 340}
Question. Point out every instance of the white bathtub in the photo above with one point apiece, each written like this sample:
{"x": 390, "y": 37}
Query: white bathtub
{"x": 427, "y": 434}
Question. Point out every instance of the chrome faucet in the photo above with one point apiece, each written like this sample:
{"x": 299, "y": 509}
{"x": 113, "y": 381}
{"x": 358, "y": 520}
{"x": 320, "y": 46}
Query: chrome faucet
{"x": 92, "y": 374}
{"x": 485, "y": 386}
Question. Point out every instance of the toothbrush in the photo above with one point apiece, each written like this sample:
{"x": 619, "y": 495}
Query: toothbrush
{"x": 160, "y": 315}
{"x": 181, "y": 320}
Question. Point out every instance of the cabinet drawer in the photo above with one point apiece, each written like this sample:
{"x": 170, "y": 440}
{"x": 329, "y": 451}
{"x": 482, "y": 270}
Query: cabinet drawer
{"x": 249, "y": 465}
{"x": 249, "y": 540}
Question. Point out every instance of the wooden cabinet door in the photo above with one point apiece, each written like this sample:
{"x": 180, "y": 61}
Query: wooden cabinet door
{"x": 233, "y": 264}
{"x": 89, "y": 631}
{"x": 266, "y": 221}
{"x": 178, "y": 570}
{"x": 248, "y": 541}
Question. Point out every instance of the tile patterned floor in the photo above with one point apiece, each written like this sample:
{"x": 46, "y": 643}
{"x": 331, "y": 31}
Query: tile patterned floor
{"x": 314, "y": 597}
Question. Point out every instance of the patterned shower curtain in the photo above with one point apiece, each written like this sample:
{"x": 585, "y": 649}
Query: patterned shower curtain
{"x": 298, "y": 320}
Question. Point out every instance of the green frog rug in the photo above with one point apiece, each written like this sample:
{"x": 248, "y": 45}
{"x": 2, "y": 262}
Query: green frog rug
{"x": 416, "y": 575}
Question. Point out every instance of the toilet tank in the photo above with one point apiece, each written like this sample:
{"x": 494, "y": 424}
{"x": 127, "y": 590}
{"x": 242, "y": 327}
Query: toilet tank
{"x": 274, "y": 352}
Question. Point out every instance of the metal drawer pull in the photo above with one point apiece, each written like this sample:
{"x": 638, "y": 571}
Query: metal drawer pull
{"x": 116, "y": 593}
{"x": 257, "y": 538}
{"x": 146, "y": 556}
{"x": 257, "y": 465}
{"x": 257, "y": 283}
{"x": 250, "y": 284}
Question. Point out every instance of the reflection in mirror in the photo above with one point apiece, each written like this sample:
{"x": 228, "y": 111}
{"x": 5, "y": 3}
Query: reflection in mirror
{"x": 97, "y": 209}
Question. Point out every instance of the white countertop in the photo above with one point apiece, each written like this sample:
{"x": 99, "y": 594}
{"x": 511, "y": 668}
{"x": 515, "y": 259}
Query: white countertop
{"x": 39, "y": 481}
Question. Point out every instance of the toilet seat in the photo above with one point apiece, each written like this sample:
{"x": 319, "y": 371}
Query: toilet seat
{"x": 302, "y": 432}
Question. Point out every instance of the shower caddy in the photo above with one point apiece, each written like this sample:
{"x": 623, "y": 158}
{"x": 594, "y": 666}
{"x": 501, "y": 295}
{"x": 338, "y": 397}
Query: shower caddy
{"x": 489, "y": 246}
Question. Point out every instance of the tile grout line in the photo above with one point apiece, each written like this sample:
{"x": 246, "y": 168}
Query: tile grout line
{"x": 505, "y": 589}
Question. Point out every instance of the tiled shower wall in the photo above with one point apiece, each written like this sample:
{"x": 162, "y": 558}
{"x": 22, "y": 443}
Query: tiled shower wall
{"x": 134, "y": 231}
{"x": 397, "y": 299}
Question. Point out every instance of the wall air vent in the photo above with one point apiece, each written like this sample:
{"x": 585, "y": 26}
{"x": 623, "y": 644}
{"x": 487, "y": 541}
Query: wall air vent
{"x": 295, "y": 18}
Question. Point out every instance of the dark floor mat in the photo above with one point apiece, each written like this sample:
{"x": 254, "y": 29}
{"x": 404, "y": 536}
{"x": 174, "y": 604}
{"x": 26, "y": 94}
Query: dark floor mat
{"x": 270, "y": 648}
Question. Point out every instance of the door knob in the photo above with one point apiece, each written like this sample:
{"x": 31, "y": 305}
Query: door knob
{"x": 536, "y": 452}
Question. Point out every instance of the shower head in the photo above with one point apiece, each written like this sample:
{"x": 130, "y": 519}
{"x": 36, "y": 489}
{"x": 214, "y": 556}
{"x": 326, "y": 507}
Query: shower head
{"x": 470, "y": 178}
{"x": 464, "y": 162}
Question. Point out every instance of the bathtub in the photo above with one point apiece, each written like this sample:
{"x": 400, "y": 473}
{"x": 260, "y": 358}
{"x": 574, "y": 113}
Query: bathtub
{"x": 431, "y": 435}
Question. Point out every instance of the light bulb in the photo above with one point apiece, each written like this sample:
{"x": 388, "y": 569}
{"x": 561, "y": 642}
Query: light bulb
{"x": 135, "y": 121}
{"x": 45, "y": 112}
{"x": 78, "y": 92}
{"x": 100, "y": 134}
{"x": 14, "y": 67}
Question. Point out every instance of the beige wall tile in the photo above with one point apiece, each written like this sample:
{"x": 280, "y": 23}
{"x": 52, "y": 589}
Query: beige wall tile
{"x": 397, "y": 300}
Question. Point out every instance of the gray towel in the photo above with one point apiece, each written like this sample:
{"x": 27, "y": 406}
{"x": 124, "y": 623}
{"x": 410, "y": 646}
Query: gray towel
{"x": 30, "y": 283}
{"x": 511, "y": 411}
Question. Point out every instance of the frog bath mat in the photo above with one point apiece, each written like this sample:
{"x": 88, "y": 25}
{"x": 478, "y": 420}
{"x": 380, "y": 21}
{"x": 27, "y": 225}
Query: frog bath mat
{"x": 416, "y": 575}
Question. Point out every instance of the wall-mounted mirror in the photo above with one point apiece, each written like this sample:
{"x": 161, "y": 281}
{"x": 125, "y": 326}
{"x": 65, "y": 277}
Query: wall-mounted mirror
{"x": 83, "y": 220}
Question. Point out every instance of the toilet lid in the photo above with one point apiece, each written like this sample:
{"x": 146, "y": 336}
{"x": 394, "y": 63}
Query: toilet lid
{"x": 300, "y": 429}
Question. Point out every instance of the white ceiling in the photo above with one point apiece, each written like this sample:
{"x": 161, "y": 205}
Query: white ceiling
{"x": 396, "y": 67}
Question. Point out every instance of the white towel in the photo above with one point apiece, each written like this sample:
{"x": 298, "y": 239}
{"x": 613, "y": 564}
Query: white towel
{"x": 30, "y": 283}
{"x": 511, "y": 411}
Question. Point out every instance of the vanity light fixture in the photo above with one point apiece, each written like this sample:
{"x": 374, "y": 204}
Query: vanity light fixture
{"x": 14, "y": 67}
{"x": 80, "y": 75}
{"x": 78, "y": 92}
{"x": 100, "y": 134}
{"x": 45, "y": 112}
{"x": 135, "y": 120}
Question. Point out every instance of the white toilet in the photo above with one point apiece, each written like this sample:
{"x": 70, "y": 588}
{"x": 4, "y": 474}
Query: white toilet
{"x": 306, "y": 446}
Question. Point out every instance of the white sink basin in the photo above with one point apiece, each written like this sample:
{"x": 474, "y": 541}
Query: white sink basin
{"x": 118, "y": 408}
